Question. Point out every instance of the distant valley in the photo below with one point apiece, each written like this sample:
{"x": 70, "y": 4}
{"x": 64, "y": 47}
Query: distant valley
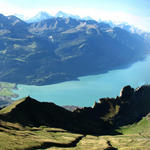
{"x": 63, "y": 49}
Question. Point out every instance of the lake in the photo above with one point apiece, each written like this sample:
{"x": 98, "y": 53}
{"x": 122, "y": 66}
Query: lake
{"x": 90, "y": 88}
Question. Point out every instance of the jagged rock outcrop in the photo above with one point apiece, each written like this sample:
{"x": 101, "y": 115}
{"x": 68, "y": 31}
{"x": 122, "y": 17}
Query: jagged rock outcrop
{"x": 126, "y": 92}
{"x": 128, "y": 108}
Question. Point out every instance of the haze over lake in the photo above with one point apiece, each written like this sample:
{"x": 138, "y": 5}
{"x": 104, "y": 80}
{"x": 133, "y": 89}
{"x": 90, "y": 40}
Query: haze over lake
{"x": 90, "y": 88}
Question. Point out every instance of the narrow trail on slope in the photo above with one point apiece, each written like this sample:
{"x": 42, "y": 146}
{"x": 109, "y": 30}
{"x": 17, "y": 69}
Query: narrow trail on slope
{"x": 110, "y": 147}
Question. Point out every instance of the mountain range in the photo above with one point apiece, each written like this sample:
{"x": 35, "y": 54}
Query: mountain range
{"x": 43, "y": 15}
{"x": 124, "y": 25}
{"x": 62, "y": 49}
{"x": 132, "y": 29}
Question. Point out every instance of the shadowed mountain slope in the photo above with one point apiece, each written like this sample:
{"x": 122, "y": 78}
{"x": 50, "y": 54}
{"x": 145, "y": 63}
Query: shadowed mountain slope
{"x": 102, "y": 118}
{"x": 128, "y": 108}
{"x": 28, "y": 111}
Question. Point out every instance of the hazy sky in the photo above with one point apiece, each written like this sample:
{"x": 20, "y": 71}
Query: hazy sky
{"x": 136, "y": 12}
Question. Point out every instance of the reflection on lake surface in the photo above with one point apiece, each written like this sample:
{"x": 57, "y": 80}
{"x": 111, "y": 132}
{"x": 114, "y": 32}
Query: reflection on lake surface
{"x": 90, "y": 88}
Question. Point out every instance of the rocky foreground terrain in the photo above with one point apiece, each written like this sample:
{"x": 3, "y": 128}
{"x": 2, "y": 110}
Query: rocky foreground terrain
{"x": 112, "y": 123}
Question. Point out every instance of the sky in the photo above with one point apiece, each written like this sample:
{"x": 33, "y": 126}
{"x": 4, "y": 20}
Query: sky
{"x": 134, "y": 12}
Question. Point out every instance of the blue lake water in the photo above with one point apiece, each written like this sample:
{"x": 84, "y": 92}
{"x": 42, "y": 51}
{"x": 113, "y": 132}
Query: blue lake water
{"x": 90, "y": 88}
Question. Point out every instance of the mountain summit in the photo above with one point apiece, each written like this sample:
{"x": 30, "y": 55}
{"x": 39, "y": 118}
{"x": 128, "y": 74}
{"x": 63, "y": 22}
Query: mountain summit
{"x": 65, "y": 15}
{"x": 39, "y": 17}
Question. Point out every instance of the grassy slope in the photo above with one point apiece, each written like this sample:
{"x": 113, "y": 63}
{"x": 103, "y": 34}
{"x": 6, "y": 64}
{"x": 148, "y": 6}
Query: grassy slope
{"x": 17, "y": 137}
{"x": 142, "y": 127}
{"x": 14, "y": 136}
{"x": 135, "y": 137}
{"x": 10, "y": 107}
